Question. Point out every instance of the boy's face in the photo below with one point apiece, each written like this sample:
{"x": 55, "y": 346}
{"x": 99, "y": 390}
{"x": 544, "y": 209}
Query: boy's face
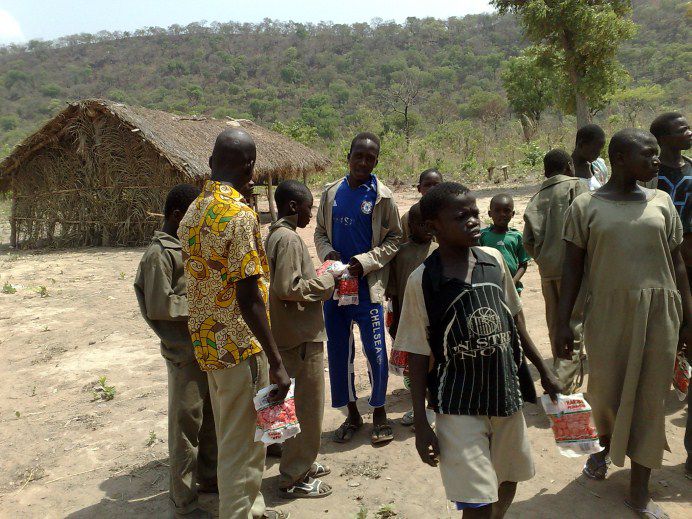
{"x": 363, "y": 159}
{"x": 592, "y": 150}
{"x": 679, "y": 135}
{"x": 502, "y": 212}
{"x": 641, "y": 159}
{"x": 419, "y": 231}
{"x": 429, "y": 181}
{"x": 304, "y": 211}
{"x": 458, "y": 223}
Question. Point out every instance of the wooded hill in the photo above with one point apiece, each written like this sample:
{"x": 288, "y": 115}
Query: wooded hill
{"x": 321, "y": 80}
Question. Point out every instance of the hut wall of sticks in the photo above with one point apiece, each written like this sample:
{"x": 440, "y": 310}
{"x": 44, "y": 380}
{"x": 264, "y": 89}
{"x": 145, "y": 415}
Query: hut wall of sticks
{"x": 99, "y": 172}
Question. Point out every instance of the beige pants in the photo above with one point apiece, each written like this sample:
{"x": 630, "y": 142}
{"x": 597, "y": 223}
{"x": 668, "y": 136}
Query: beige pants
{"x": 241, "y": 459}
{"x": 305, "y": 363}
{"x": 191, "y": 434}
{"x": 569, "y": 371}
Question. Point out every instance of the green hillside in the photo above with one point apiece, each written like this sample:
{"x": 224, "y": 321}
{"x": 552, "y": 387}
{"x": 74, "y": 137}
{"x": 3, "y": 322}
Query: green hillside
{"x": 321, "y": 82}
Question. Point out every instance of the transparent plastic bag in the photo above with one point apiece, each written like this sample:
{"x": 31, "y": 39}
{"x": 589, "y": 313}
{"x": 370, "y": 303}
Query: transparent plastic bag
{"x": 398, "y": 362}
{"x": 572, "y": 424}
{"x": 335, "y": 267}
{"x": 275, "y": 422}
{"x": 681, "y": 375}
{"x": 347, "y": 290}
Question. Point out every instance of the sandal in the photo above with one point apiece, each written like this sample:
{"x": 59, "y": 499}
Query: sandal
{"x": 318, "y": 470}
{"x": 270, "y": 513}
{"x": 407, "y": 419}
{"x": 651, "y": 511}
{"x": 309, "y": 488}
{"x": 346, "y": 431}
{"x": 596, "y": 469}
{"x": 381, "y": 433}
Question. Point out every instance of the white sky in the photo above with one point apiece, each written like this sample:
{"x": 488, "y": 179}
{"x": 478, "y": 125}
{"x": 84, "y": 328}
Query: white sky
{"x": 22, "y": 20}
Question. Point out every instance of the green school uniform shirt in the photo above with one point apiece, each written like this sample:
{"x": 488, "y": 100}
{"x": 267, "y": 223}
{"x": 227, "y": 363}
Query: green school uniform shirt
{"x": 510, "y": 244}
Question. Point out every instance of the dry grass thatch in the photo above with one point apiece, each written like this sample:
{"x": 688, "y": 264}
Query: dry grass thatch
{"x": 94, "y": 174}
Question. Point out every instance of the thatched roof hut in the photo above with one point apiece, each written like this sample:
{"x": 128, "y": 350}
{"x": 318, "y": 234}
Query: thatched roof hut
{"x": 95, "y": 173}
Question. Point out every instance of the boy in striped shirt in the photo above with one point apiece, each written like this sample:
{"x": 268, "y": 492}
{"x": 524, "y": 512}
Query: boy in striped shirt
{"x": 461, "y": 309}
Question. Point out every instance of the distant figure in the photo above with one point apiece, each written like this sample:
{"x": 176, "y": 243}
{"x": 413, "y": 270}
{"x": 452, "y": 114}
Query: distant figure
{"x": 505, "y": 239}
{"x": 295, "y": 303}
{"x": 162, "y": 295}
{"x": 358, "y": 223}
{"x": 429, "y": 178}
{"x": 638, "y": 297}
{"x": 588, "y": 165}
{"x": 544, "y": 220}
{"x": 228, "y": 283}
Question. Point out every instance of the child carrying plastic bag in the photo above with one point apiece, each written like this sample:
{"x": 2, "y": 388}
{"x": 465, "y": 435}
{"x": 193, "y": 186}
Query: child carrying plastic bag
{"x": 276, "y": 422}
{"x": 572, "y": 424}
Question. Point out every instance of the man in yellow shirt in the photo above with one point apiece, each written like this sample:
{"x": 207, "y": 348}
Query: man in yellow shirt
{"x": 227, "y": 275}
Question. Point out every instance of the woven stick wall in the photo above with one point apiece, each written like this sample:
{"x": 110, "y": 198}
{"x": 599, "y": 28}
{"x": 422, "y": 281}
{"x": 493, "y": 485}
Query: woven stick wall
{"x": 94, "y": 185}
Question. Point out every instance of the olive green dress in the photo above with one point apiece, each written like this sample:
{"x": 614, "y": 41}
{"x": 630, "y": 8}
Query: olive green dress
{"x": 632, "y": 317}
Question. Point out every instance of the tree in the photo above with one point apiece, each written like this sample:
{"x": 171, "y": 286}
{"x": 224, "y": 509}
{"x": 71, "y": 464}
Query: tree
{"x": 530, "y": 88}
{"x": 399, "y": 99}
{"x": 635, "y": 100}
{"x": 583, "y": 39}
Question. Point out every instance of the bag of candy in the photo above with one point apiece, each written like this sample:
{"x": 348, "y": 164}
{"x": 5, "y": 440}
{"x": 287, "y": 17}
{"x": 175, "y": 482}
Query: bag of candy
{"x": 572, "y": 424}
{"x": 335, "y": 267}
{"x": 347, "y": 290}
{"x": 681, "y": 375}
{"x": 398, "y": 362}
{"x": 276, "y": 422}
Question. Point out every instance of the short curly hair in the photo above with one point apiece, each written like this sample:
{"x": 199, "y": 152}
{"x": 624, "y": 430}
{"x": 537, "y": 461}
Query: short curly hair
{"x": 180, "y": 197}
{"x": 439, "y": 197}
{"x": 365, "y": 136}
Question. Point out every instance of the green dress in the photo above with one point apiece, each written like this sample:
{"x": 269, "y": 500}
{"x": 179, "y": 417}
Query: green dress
{"x": 632, "y": 316}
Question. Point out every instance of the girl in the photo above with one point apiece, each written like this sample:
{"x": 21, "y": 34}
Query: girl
{"x": 624, "y": 240}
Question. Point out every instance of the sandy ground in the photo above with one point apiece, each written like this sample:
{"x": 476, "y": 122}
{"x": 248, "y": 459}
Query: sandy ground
{"x": 66, "y": 455}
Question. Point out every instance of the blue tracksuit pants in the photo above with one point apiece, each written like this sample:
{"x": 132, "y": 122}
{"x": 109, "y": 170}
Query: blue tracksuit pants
{"x": 339, "y": 321}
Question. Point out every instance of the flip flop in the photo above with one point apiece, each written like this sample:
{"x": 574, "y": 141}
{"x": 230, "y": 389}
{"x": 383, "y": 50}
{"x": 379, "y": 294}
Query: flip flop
{"x": 652, "y": 510}
{"x": 309, "y": 488}
{"x": 275, "y": 514}
{"x": 346, "y": 431}
{"x": 595, "y": 469}
{"x": 317, "y": 470}
{"x": 381, "y": 433}
{"x": 407, "y": 419}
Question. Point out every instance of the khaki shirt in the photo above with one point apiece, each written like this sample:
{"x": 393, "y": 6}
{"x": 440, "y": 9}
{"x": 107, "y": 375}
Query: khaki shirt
{"x": 544, "y": 220}
{"x": 295, "y": 292}
{"x": 386, "y": 236}
{"x": 222, "y": 245}
{"x": 410, "y": 256}
{"x": 162, "y": 296}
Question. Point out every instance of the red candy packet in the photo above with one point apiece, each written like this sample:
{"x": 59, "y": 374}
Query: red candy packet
{"x": 572, "y": 424}
{"x": 681, "y": 375}
{"x": 398, "y": 362}
{"x": 275, "y": 422}
{"x": 347, "y": 290}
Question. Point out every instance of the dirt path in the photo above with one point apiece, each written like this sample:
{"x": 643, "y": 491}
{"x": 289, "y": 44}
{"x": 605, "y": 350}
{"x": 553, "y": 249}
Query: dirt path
{"x": 66, "y": 455}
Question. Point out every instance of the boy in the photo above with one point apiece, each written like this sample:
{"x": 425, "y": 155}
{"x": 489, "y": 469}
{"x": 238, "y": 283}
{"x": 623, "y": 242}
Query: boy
{"x": 358, "y": 223}
{"x": 295, "y": 305}
{"x": 428, "y": 179}
{"x": 544, "y": 219}
{"x": 588, "y": 165}
{"x": 462, "y": 309}
{"x": 162, "y": 295}
{"x": 672, "y": 131}
{"x": 508, "y": 241}
{"x": 411, "y": 254}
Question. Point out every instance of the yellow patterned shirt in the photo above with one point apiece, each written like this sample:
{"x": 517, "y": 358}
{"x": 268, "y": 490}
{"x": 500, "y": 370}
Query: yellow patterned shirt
{"x": 222, "y": 244}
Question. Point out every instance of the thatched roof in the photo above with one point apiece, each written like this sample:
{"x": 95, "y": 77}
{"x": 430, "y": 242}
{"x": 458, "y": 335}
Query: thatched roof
{"x": 185, "y": 141}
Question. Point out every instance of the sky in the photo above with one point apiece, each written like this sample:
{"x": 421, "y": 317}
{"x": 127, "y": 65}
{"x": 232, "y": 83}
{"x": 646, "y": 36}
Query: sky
{"x": 23, "y": 20}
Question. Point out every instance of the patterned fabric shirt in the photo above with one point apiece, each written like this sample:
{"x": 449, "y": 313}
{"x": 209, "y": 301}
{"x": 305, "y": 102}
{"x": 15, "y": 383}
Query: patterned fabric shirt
{"x": 222, "y": 245}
